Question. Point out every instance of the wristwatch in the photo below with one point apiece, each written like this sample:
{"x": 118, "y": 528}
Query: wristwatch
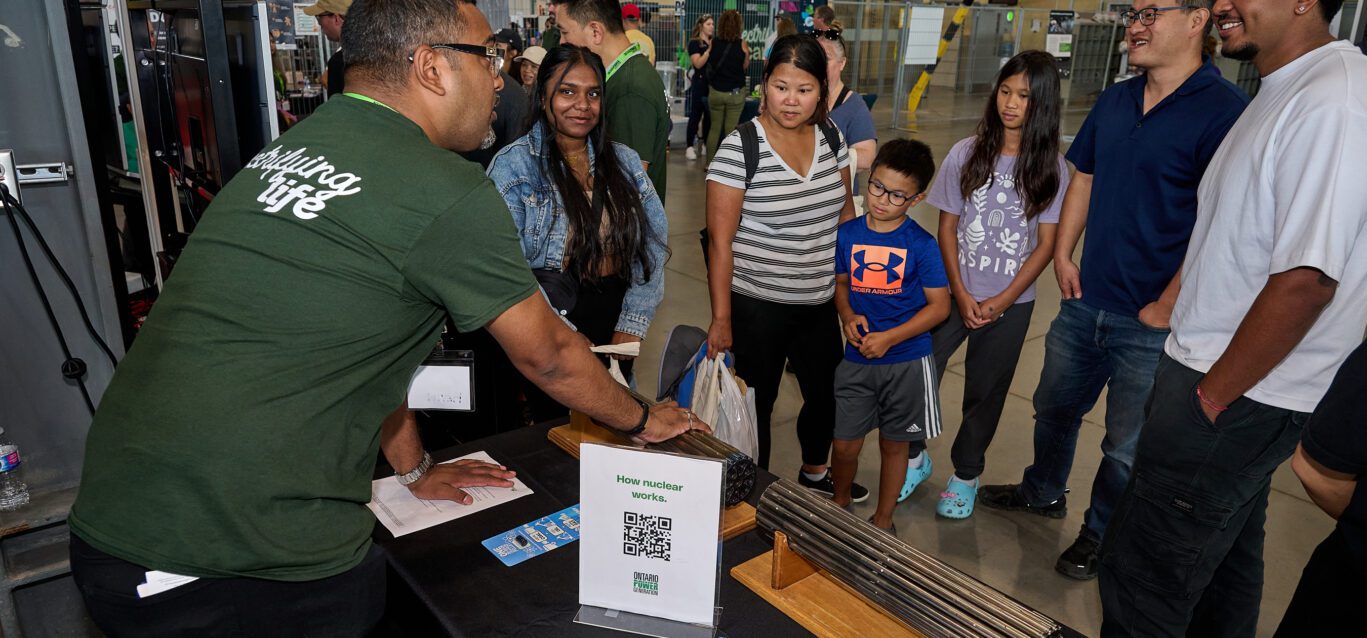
{"x": 413, "y": 476}
{"x": 645, "y": 416}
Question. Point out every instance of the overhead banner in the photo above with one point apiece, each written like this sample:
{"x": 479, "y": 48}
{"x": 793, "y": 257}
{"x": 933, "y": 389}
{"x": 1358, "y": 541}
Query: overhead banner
{"x": 651, "y": 540}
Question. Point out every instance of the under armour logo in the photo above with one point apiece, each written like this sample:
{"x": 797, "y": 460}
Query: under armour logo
{"x": 878, "y": 267}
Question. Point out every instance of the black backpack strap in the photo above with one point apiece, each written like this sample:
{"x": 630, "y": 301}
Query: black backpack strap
{"x": 844, "y": 94}
{"x": 832, "y": 136}
{"x": 749, "y": 147}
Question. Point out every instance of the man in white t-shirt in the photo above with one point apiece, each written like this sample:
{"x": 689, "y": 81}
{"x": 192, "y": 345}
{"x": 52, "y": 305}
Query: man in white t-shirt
{"x": 1273, "y": 299}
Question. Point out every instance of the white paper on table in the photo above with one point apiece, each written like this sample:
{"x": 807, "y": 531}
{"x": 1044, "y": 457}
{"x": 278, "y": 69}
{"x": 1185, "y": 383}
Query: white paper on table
{"x": 402, "y": 513}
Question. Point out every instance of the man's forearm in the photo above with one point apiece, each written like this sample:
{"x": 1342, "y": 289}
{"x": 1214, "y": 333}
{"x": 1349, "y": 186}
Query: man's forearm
{"x": 1073, "y": 215}
{"x": 1280, "y": 317}
{"x": 576, "y": 379}
{"x": 399, "y": 440}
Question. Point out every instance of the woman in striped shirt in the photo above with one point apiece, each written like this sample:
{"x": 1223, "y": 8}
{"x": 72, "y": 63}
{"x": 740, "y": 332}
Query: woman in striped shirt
{"x": 771, "y": 255}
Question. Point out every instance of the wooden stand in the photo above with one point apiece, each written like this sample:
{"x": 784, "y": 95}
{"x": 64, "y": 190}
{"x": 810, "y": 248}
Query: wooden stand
{"x": 735, "y": 520}
{"x": 814, "y": 599}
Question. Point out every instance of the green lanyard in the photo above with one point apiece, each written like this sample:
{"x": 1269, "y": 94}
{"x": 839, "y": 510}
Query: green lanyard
{"x": 366, "y": 98}
{"x": 634, "y": 49}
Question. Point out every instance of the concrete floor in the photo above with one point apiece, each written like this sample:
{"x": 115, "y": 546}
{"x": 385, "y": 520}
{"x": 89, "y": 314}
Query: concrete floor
{"x": 1012, "y": 552}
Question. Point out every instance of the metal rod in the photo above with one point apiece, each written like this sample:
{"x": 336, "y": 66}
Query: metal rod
{"x": 911, "y": 585}
{"x": 866, "y": 544}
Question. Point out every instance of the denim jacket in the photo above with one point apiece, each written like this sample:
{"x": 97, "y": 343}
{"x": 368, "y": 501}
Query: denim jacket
{"x": 520, "y": 173}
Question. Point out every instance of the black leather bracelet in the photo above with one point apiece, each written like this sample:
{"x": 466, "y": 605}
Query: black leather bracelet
{"x": 645, "y": 416}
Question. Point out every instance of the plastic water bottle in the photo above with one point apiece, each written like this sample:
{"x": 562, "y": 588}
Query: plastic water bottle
{"x": 13, "y": 492}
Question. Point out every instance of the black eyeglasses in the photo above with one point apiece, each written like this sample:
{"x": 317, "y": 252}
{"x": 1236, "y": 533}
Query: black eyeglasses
{"x": 829, "y": 34}
{"x": 896, "y": 198}
{"x": 495, "y": 54}
{"x": 325, "y": 15}
{"x": 1145, "y": 17}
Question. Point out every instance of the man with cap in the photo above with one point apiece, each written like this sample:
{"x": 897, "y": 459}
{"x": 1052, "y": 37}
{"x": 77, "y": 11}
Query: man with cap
{"x": 509, "y": 42}
{"x": 330, "y": 15}
{"x": 631, "y": 19}
{"x": 229, "y": 465}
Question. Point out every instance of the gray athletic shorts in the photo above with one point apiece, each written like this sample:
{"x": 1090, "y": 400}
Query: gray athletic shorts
{"x": 900, "y": 400}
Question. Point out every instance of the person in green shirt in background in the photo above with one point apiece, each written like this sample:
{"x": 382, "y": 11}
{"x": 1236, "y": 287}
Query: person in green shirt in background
{"x": 228, "y": 467}
{"x": 550, "y": 38}
{"x": 637, "y": 113}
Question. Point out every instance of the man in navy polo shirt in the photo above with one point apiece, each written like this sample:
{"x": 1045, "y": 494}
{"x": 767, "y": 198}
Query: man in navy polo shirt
{"x": 1139, "y": 158}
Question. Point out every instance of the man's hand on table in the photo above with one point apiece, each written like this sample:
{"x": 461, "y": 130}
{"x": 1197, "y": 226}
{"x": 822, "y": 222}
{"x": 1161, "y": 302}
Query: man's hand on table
{"x": 444, "y": 481}
{"x": 668, "y": 420}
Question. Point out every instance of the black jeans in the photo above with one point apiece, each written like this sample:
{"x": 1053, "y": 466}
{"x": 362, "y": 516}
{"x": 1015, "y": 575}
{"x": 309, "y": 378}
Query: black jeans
{"x": 764, "y": 335}
{"x": 1183, "y": 553}
{"x": 1332, "y": 587}
{"x": 348, "y": 604}
{"x": 993, "y": 351}
{"x": 698, "y": 113}
{"x": 596, "y": 310}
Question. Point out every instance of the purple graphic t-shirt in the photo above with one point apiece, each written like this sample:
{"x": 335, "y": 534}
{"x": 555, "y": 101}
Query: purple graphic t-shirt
{"x": 994, "y": 236}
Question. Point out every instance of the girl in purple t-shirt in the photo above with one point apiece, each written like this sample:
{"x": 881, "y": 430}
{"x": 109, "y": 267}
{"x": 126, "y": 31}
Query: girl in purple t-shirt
{"x": 999, "y": 193}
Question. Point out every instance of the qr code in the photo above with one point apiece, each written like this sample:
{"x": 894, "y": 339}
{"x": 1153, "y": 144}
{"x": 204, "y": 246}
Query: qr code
{"x": 647, "y": 536}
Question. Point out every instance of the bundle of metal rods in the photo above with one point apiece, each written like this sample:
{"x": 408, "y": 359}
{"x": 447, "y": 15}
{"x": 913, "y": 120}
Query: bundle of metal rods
{"x": 919, "y": 590}
{"x": 740, "y": 469}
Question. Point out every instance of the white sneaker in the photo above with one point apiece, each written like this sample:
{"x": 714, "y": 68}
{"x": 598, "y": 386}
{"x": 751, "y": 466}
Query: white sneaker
{"x": 691, "y": 154}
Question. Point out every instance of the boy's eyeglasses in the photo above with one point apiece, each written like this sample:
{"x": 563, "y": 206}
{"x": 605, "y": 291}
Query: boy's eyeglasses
{"x": 1145, "y": 17}
{"x": 896, "y": 198}
{"x": 829, "y": 34}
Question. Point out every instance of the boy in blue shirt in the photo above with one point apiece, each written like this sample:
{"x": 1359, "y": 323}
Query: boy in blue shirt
{"x": 890, "y": 290}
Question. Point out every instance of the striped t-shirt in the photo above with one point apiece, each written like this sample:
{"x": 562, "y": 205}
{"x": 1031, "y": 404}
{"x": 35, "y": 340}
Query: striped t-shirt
{"x": 784, "y": 249}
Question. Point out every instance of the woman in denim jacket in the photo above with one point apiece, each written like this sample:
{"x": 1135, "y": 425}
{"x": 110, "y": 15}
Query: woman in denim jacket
{"x": 593, "y": 228}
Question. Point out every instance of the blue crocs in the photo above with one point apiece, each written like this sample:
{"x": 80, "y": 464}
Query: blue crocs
{"x": 958, "y": 499}
{"x": 915, "y": 476}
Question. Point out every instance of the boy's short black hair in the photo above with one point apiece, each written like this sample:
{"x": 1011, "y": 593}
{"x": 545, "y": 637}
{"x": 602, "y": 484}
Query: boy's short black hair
{"x": 908, "y": 157}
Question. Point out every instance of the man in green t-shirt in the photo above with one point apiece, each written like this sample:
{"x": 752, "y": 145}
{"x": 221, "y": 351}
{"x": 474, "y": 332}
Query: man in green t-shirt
{"x": 229, "y": 464}
{"x": 634, "y": 106}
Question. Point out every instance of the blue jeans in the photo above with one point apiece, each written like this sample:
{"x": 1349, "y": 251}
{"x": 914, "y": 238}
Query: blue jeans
{"x": 1085, "y": 350}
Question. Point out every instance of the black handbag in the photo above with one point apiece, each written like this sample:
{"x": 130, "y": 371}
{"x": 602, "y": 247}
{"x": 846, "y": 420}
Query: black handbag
{"x": 562, "y": 288}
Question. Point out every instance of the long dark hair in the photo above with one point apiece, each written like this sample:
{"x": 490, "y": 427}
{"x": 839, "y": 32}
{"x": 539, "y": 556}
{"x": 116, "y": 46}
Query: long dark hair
{"x": 614, "y": 189}
{"x": 1037, "y": 174}
{"x": 805, "y": 54}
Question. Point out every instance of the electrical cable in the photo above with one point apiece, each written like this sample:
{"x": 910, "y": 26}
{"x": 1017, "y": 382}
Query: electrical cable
{"x": 62, "y": 274}
{"x": 72, "y": 367}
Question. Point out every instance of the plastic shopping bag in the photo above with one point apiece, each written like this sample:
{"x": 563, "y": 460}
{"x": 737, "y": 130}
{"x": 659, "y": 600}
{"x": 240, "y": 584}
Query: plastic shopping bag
{"x": 736, "y": 423}
{"x": 632, "y": 348}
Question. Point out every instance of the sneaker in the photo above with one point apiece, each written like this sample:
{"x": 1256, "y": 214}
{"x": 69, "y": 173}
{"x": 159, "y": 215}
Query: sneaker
{"x": 1008, "y": 497}
{"x": 915, "y": 476}
{"x": 691, "y": 153}
{"x": 1078, "y": 562}
{"x": 824, "y": 485}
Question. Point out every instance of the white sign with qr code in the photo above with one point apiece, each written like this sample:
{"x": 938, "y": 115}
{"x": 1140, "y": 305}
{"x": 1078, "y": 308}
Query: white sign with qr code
{"x": 651, "y": 532}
